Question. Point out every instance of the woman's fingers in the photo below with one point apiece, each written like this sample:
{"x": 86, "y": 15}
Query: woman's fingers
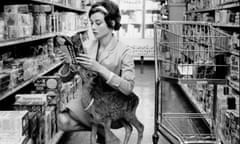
{"x": 84, "y": 55}
{"x": 83, "y": 58}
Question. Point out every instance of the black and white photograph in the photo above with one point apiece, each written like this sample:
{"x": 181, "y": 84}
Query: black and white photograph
{"x": 119, "y": 71}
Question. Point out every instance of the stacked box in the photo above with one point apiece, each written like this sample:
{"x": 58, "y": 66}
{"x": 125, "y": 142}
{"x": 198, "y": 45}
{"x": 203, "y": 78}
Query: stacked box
{"x": 234, "y": 68}
{"x": 41, "y": 8}
{"x": 76, "y": 4}
{"x": 23, "y": 8}
{"x": 40, "y": 23}
{"x": 4, "y": 81}
{"x": 31, "y": 102}
{"x": 18, "y": 25}
{"x": 13, "y": 126}
{"x": 50, "y": 85}
{"x": 1, "y": 28}
{"x": 16, "y": 76}
{"x": 41, "y": 115}
{"x": 58, "y": 1}
{"x": 69, "y": 21}
{"x": 18, "y": 21}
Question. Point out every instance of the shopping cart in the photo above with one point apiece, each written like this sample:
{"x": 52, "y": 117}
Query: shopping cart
{"x": 188, "y": 53}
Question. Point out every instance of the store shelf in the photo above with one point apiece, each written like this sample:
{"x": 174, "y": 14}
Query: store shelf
{"x": 201, "y": 10}
{"x": 145, "y": 58}
{"x": 197, "y": 105}
{"x": 24, "y": 84}
{"x": 153, "y": 11}
{"x": 26, "y": 39}
{"x": 226, "y": 25}
{"x": 132, "y": 23}
{"x": 37, "y": 37}
{"x": 71, "y": 33}
{"x": 233, "y": 84}
{"x": 57, "y": 5}
{"x": 235, "y": 52}
{"x": 56, "y": 138}
{"x": 125, "y": 9}
{"x": 69, "y": 8}
{"x": 229, "y": 5}
{"x": 40, "y": 1}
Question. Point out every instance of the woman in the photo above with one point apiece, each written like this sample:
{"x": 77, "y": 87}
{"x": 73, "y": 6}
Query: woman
{"x": 107, "y": 56}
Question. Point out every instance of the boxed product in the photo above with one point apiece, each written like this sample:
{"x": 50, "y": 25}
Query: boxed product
{"x": 234, "y": 68}
{"x": 30, "y": 107}
{"x": 1, "y": 28}
{"x": 4, "y": 81}
{"x": 50, "y": 85}
{"x": 40, "y": 23}
{"x": 30, "y": 99}
{"x": 13, "y": 125}
{"x": 18, "y": 19}
{"x": 16, "y": 76}
{"x": 18, "y": 31}
{"x": 58, "y": 1}
{"x": 41, "y": 8}
{"x": 20, "y": 8}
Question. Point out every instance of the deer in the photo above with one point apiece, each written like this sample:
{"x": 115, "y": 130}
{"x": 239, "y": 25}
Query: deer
{"x": 104, "y": 107}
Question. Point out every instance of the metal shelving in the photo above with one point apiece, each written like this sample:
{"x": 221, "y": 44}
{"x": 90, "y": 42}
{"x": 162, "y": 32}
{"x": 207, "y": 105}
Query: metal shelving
{"x": 24, "y": 84}
{"x": 228, "y": 5}
{"x": 26, "y": 39}
{"x": 11, "y": 42}
{"x": 37, "y": 37}
{"x": 226, "y": 25}
{"x": 234, "y": 85}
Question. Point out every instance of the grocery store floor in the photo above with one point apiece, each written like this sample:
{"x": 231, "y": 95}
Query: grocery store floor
{"x": 144, "y": 87}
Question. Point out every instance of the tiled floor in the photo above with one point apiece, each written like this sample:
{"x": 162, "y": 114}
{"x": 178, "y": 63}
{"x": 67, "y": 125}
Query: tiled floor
{"x": 145, "y": 89}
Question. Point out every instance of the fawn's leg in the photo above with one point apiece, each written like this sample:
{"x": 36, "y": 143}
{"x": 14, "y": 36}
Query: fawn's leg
{"x": 110, "y": 137}
{"x": 128, "y": 131}
{"x": 139, "y": 126}
{"x": 93, "y": 134}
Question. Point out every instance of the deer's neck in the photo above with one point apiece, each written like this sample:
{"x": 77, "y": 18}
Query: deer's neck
{"x": 87, "y": 97}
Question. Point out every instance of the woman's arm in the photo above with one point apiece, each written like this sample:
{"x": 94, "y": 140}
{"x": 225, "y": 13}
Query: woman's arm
{"x": 124, "y": 82}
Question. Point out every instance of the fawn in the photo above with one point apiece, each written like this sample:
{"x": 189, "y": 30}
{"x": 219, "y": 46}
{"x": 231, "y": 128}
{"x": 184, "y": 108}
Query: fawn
{"x": 105, "y": 107}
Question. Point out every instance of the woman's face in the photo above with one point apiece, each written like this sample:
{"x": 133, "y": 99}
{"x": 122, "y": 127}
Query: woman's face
{"x": 99, "y": 26}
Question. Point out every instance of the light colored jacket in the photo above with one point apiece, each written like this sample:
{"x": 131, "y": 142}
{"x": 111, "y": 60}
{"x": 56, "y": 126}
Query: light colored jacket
{"x": 118, "y": 59}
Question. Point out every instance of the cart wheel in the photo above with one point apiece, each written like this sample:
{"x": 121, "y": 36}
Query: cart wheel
{"x": 155, "y": 138}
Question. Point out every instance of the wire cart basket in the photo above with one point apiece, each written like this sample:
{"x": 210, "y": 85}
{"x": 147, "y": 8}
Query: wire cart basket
{"x": 188, "y": 53}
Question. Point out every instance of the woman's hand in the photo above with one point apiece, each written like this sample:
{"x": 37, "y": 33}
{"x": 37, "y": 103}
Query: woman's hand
{"x": 88, "y": 63}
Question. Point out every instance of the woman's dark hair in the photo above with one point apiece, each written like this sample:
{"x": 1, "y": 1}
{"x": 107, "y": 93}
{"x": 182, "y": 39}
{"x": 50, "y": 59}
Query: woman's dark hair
{"x": 113, "y": 13}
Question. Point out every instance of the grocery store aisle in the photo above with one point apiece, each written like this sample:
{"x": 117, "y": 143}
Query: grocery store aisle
{"x": 145, "y": 89}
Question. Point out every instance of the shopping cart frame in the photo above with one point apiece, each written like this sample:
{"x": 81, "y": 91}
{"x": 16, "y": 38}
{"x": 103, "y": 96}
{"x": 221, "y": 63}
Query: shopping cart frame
{"x": 159, "y": 127}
